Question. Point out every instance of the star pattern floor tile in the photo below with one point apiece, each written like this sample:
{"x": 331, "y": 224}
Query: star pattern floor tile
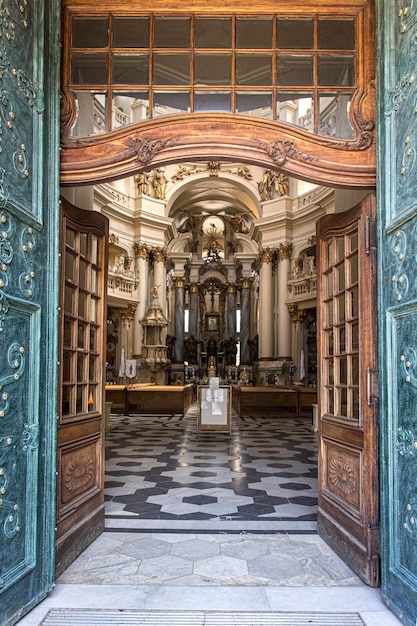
{"x": 158, "y": 467}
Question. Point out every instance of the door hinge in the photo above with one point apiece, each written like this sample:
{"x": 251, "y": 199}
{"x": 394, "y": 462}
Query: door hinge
{"x": 370, "y": 235}
{"x": 373, "y": 541}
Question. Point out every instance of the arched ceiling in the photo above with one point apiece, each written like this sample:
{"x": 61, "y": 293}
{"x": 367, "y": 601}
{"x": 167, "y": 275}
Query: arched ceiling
{"x": 213, "y": 195}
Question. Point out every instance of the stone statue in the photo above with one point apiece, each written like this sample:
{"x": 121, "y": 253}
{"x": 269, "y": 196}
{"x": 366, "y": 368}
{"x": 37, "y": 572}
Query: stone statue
{"x": 159, "y": 183}
{"x": 142, "y": 183}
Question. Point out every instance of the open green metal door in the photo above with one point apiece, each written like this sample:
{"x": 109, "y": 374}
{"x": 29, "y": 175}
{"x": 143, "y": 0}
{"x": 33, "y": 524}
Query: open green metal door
{"x": 397, "y": 251}
{"x": 29, "y": 179}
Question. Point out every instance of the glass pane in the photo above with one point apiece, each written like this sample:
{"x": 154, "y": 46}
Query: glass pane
{"x": 212, "y": 101}
{"x": 213, "y": 32}
{"x": 330, "y": 254}
{"x": 330, "y": 372}
{"x": 336, "y": 70}
{"x": 336, "y": 34}
{"x": 340, "y": 277}
{"x": 355, "y": 336}
{"x": 254, "y": 103}
{"x": 342, "y": 339}
{"x": 93, "y": 281}
{"x": 92, "y": 398}
{"x": 92, "y": 368}
{"x": 330, "y": 401}
{"x": 82, "y": 304}
{"x": 353, "y": 241}
{"x": 81, "y": 360}
{"x": 334, "y": 115}
{"x": 330, "y": 343}
{"x": 355, "y": 370}
{"x": 330, "y": 314}
{"x": 84, "y": 244}
{"x": 93, "y": 310}
{"x": 170, "y": 102}
{"x": 330, "y": 285}
{"x": 69, "y": 300}
{"x": 343, "y": 370}
{"x": 343, "y": 402}
{"x": 80, "y": 396}
{"x": 83, "y": 274}
{"x": 67, "y": 375}
{"x": 213, "y": 69}
{"x": 67, "y": 400}
{"x": 93, "y": 339}
{"x": 354, "y": 269}
{"x": 130, "y": 107}
{"x": 94, "y": 249}
{"x": 296, "y": 108}
{"x": 90, "y": 32}
{"x": 253, "y": 33}
{"x": 69, "y": 266}
{"x": 131, "y": 32}
{"x": 68, "y": 333}
{"x": 91, "y": 113}
{"x": 295, "y": 34}
{"x": 340, "y": 248}
{"x": 341, "y": 308}
{"x": 89, "y": 69}
{"x": 130, "y": 69}
{"x": 294, "y": 70}
{"x": 355, "y": 302}
{"x": 70, "y": 238}
{"x": 81, "y": 336}
{"x": 253, "y": 69}
{"x": 172, "y": 32}
{"x": 171, "y": 69}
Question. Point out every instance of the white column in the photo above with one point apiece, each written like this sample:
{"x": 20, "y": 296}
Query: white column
{"x": 284, "y": 319}
{"x": 266, "y": 306}
{"x": 160, "y": 280}
{"x": 142, "y": 264}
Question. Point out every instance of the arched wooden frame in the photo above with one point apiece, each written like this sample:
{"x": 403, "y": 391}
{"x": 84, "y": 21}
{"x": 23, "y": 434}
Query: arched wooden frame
{"x": 224, "y": 136}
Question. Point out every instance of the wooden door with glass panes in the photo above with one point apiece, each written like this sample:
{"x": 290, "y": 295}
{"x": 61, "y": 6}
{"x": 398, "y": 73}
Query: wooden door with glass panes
{"x": 348, "y": 512}
{"x": 80, "y": 506}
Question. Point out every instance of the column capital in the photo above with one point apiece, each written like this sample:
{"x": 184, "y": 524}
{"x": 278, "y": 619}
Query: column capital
{"x": 141, "y": 250}
{"x": 128, "y": 313}
{"x": 178, "y": 282}
{"x": 159, "y": 254}
{"x": 266, "y": 255}
{"x": 284, "y": 251}
{"x": 231, "y": 288}
{"x": 247, "y": 283}
{"x": 193, "y": 287}
{"x": 296, "y": 314}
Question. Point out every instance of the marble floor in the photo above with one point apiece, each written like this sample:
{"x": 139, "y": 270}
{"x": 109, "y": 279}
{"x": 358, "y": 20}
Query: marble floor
{"x": 211, "y": 521}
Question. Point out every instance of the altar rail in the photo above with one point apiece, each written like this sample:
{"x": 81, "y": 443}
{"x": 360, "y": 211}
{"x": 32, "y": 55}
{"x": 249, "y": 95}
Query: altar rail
{"x": 295, "y": 401}
{"x": 149, "y": 398}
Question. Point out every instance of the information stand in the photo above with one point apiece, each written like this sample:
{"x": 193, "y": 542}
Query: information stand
{"x": 214, "y": 407}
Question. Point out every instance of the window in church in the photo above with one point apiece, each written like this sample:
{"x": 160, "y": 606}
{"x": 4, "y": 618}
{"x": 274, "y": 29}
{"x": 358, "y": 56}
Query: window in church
{"x": 298, "y": 70}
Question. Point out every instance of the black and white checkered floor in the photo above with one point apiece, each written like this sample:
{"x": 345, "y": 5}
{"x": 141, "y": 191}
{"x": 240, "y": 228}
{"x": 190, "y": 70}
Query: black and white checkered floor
{"x": 162, "y": 474}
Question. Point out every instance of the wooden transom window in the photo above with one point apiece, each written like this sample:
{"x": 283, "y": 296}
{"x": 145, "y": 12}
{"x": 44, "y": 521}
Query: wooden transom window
{"x": 300, "y": 70}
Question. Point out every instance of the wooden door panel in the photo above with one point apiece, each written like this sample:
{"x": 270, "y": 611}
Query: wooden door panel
{"x": 348, "y": 513}
{"x": 80, "y": 495}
